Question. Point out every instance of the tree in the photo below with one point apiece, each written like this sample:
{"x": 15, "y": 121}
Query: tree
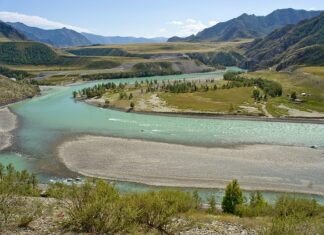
{"x": 130, "y": 96}
{"x": 197, "y": 199}
{"x": 212, "y": 204}
{"x": 293, "y": 95}
{"x": 233, "y": 197}
{"x": 75, "y": 94}
{"x": 132, "y": 104}
{"x": 256, "y": 94}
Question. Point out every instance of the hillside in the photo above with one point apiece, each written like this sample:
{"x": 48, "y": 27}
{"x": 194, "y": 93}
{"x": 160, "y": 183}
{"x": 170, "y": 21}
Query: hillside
{"x": 11, "y": 91}
{"x": 56, "y": 37}
{"x": 98, "y": 39}
{"x": 8, "y": 33}
{"x": 26, "y": 53}
{"x": 249, "y": 26}
{"x": 294, "y": 44}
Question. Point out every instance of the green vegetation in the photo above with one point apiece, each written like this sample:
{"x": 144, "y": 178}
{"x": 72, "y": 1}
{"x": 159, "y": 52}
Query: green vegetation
{"x": 26, "y": 53}
{"x": 14, "y": 207}
{"x": 17, "y": 74}
{"x": 233, "y": 197}
{"x": 98, "y": 52}
{"x": 269, "y": 87}
{"x": 12, "y": 91}
{"x": 97, "y": 207}
{"x": 230, "y": 58}
{"x": 139, "y": 70}
{"x": 307, "y": 80}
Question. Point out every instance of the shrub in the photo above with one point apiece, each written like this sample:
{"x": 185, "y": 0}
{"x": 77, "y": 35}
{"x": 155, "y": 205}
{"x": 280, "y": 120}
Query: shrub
{"x": 197, "y": 199}
{"x": 212, "y": 205}
{"x": 95, "y": 207}
{"x": 233, "y": 197}
{"x": 13, "y": 185}
{"x": 156, "y": 209}
{"x": 257, "y": 207}
{"x": 299, "y": 207}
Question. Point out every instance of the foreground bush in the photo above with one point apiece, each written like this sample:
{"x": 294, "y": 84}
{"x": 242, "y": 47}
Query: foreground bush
{"x": 297, "y": 216}
{"x": 257, "y": 206}
{"x": 14, "y": 208}
{"x": 96, "y": 207}
{"x": 157, "y": 209}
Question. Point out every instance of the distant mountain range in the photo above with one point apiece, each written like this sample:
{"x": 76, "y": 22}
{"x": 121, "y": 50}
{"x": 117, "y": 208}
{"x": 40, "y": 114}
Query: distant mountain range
{"x": 249, "y": 26}
{"x": 68, "y": 38}
{"x": 9, "y": 33}
{"x": 293, "y": 44}
{"x": 97, "y": 39}
{"x": 56, "y": 37}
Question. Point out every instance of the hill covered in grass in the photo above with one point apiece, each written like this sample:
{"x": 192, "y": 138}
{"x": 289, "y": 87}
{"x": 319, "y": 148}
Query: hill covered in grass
{"x": 249, "y": 26}
{"x": 26, "y": 53}
{"x": 294, "y": 44}
{"x": 12, "y": 91}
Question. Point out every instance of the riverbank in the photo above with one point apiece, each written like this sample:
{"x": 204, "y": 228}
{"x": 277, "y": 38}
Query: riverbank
{"x": 206, "y": 115}
{"x": 257, "y": 167}
{"x": 8, "y": 122}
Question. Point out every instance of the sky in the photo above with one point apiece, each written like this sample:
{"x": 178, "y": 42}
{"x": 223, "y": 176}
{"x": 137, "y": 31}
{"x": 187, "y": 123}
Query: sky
{"x": 140, "y": 18}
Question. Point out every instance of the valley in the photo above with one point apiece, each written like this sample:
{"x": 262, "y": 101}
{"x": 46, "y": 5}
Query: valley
{"x": 154, "y": 134}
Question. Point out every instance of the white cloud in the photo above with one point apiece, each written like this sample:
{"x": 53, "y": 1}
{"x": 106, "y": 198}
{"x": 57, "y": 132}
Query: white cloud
{"x": 188, "y": 27}
{"x": 175, "y": 22}
{"x": 213, "y": 22}
{"x": 36, "y": 21}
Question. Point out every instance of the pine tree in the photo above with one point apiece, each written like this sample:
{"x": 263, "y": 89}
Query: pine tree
{"x": 233, "y": 197}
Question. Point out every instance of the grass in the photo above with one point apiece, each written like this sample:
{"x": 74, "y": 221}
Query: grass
{"x": 182, "y": 47}
{"x": 298, "y": 81}
{"x": 221, "y": 100}
{"x": 11, "y": 91}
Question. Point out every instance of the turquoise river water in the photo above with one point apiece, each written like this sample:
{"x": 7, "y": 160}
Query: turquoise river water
{"x": 53, "y": 117}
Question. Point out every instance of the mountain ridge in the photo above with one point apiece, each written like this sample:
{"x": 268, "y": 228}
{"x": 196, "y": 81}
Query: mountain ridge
{"x": 56, "y": 37}
{"x": 302, "y": 43}
{"x": 10, "y": 33}
{"x": 249, "y": 26}
{"x": 99, "y": 39}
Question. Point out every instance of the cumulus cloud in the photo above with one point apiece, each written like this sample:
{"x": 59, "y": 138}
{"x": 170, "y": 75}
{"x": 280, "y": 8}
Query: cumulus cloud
{"x": 190, "y": 26}
{"x": 37, "y": 21}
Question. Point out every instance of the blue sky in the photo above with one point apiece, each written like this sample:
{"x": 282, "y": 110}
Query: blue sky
{"x": 149, "y": 18}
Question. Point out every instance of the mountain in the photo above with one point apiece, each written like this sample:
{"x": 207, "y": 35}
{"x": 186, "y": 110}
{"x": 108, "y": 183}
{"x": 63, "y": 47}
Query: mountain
{"x": 56, "y": 37}
{"x": 9, "y": 33}
{"x": 293, "y": 44}
{"x": 249, "y": 26}
{"x": 97, "y": 39}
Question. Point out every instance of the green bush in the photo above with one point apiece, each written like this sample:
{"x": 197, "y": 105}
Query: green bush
{"x": 257, "y": 206}
{"x": 157, "y": 209}
{"x": 233, "y": 197}
{"x": 296, "y": 216}
{"x": 298, "y": 207}
{"x": 14, "y": 209}
{"x": 95, "y": 207}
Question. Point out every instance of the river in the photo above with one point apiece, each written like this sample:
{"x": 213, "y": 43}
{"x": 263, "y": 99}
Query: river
{"x": 47, "y": 120}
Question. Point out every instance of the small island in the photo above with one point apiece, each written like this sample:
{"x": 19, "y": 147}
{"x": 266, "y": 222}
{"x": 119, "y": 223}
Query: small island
{"x": 252, "y": 94}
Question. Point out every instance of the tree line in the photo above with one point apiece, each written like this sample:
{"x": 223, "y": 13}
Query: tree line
{"x": 270, "y": 88}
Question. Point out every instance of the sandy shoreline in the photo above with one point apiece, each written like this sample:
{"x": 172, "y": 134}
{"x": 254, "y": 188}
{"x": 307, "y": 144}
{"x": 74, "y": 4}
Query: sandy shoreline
{"x": 257, "y": 167}
{"x": 8, "y": 122}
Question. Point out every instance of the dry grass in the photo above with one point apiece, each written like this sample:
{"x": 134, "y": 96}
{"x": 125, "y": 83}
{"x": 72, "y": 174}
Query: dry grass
{"x": 175, "y": 47}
